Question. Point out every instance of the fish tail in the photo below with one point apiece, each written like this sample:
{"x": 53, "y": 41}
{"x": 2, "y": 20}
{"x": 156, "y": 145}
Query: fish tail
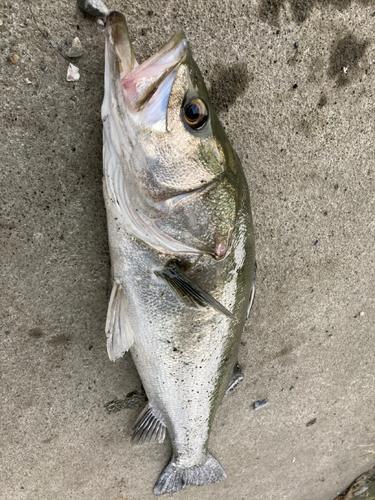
{"x": 174, "y": 478}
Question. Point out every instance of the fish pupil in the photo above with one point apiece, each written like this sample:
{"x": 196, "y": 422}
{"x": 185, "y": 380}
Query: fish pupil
{"x": 192, "y": 112}
{"x": 195, "y": 114}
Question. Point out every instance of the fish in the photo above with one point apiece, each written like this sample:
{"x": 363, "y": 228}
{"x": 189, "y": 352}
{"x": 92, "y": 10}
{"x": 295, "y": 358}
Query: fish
{"x": 182, "y": 247}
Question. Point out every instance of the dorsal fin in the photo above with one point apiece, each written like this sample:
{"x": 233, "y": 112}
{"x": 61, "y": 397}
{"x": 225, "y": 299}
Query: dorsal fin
{"x": 118, "y": 330}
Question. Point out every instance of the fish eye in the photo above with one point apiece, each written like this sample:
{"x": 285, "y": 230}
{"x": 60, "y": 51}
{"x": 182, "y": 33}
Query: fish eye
{"x": 195, "y": 114}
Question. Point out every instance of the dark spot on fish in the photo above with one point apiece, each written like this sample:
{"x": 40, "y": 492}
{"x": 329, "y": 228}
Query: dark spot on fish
{"x": 175, "y": 349}
{"x": 345, "y": 56}
{"x": 227, "y": 84}
{"x": 36, "y": 333}
{"x": 60, "y": 340}
{"x": 322, "y": 101}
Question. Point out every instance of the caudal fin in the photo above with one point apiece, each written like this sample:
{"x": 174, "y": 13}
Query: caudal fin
{"x": 174, "y": 478}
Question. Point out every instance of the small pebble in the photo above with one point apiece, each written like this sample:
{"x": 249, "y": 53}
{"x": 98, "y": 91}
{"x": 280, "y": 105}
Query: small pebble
{"x": 26, "y": 23}
{"x": 296, "y": 45}
{"x": 99, "y": 21}
{"x": 76, "y": 49}
{"x": 14, "y": 58}
{"x": 27, "y": 81}
{"x": 295, "y": 86}
{"x": 43, "y": 67}
{"x": 316, "y": 242}
{"x": 361, "y": 313}
{"x": 259, "y": 404}
{"x": 93, "y": 7}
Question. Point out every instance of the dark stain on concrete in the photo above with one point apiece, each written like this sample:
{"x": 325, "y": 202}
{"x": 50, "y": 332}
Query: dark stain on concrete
{"x": 227, "y": 84}
{"x": 322, "y": 101}
{"x": 36, "y": 333}
{"x": 306, "y": 127}
{"x": 284, "y": 351}
{"x": 60, "y": 340}
{"x": 317, "y": 69}
{"x": 345, "y": 56}
{"x": 269, "y": 10}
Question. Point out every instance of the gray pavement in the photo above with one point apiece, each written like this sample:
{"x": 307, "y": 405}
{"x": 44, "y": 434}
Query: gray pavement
{"x": 294, "y": 83}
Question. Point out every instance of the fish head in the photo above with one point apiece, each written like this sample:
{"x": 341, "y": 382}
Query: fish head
{"x": 180, "y": 172}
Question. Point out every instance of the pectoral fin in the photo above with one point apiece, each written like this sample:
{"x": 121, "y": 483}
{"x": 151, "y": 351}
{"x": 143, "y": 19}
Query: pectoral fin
{"x": 188, "y": 291}
{"x": 118, "y": 330}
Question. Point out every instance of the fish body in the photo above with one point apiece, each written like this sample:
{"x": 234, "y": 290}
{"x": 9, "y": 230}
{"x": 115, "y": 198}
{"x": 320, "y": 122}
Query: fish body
{"x": 181, "y": 243}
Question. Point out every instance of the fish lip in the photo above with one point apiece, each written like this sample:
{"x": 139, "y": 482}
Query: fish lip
{"x": 118, "y": 39}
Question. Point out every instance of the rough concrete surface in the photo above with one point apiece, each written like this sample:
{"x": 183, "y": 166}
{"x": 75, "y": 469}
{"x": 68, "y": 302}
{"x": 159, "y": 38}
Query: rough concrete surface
{"x": 294, "y": 84}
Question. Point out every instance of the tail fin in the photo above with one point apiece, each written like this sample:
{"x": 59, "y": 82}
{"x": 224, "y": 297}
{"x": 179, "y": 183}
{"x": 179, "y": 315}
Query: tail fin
{"x": 174, "y": 478}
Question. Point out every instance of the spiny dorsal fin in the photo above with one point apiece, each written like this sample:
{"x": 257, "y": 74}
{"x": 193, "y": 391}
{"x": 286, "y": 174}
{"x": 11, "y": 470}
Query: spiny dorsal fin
{"x": 148, "y": 428}
{"x": 189, "y": 292}
{"x": 118, "y": 330}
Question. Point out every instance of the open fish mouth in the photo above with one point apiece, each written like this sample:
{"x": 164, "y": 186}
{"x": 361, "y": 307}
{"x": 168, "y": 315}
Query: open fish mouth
{"x": 145, "y": 87}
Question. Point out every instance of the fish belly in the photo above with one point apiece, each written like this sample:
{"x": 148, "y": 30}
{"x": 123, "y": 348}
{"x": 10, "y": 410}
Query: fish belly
{"x": 184, "y": 356}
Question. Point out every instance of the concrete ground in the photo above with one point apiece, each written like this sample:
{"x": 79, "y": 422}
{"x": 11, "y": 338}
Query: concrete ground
{"x": 294, "y": 84}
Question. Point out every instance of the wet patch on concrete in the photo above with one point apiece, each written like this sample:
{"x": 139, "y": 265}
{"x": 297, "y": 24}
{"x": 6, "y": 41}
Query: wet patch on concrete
{"x": 269, "y": 10}
{"x": 58, "y": 340}
{"x": 316, "y": 70}
{"x": 36, "y": 333}
{"x": 345, "y": 56}
{"x": 322, "y": 101}
{"x": 228, "y": 83}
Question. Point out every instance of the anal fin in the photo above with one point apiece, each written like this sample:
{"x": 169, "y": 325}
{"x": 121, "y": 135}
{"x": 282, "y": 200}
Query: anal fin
{"x": 189, "y": 292}
{"x": 118, "y": 330}
{"x": 148, "y": 428}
